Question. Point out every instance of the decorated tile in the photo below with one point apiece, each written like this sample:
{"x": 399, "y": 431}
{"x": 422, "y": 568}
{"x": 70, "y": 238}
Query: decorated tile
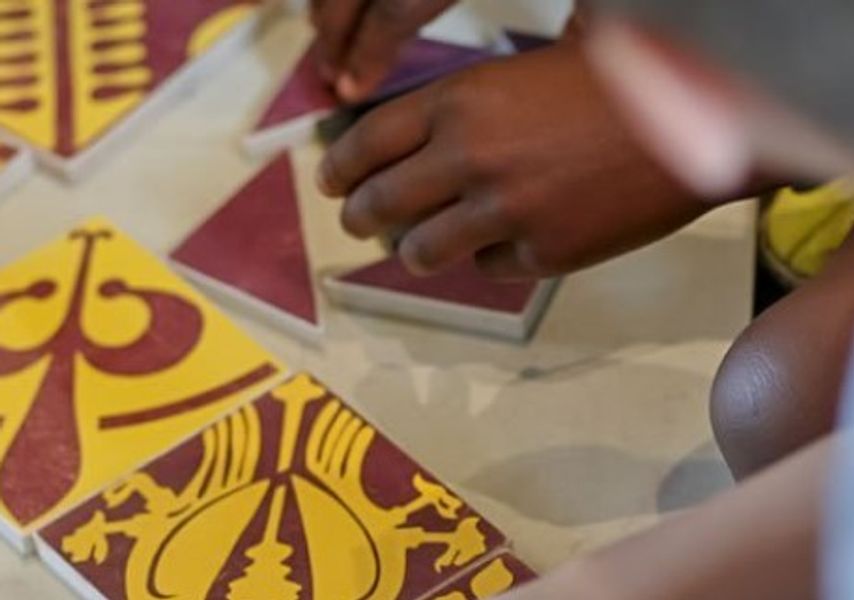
{"x": 253, "y": 250}
{"x": 294, "y": 497}
{"x": 107, "y": 359}
{"x": 305, "y": 98}
{"x": 459, "y": 297}
{"x": 16, "y": 166}
{"x": 73, "y": 72}
{"x": 496, "y": 577}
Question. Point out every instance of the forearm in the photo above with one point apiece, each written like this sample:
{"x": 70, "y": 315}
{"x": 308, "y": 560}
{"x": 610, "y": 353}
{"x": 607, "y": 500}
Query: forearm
{"x": 756, "y": 542}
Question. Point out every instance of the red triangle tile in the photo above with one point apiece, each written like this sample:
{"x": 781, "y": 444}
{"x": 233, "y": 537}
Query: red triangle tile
{"x": 459, "y": 297}
{"x": 254, "y": 246}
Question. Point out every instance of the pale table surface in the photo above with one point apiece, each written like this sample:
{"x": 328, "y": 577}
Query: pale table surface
{"x": 596, "y": 428}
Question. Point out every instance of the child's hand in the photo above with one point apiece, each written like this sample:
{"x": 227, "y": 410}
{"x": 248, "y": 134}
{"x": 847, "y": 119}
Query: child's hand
{"x": 358, "y": 40}
{"x": 520, "y": 162}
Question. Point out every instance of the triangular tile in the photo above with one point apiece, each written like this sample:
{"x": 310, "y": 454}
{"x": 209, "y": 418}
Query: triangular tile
{"x": 253, "y": 249}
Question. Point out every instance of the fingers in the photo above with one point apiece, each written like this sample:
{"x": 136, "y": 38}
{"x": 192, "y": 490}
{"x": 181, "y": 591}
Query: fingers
{"x": 384, "y": 136}
{"x": 336, "y": 22}
{"x": 398, "y": 197}
{"x": 457, "y": 232}
{"x": 579, "y": 22}
{"x": 385, "y": 27}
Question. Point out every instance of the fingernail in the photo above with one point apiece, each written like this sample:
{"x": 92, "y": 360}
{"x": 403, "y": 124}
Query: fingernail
{"x": 347, "y": 87}
{"x": 411, "y": 260}
{"x": 322, "y": 179}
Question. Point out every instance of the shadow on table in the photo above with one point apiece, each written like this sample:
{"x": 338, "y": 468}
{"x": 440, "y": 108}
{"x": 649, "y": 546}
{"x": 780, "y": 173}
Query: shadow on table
{"x": 675, "y": 291}
{"x": 571, "y": 485}
{"x": 580, "y": 485}
{"x": 698, "y": 477}
{"x": 536, "y": 468}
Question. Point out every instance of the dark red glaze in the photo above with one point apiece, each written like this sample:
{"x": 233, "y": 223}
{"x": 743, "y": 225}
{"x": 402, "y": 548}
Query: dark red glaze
{"x": 460, "y": 284}
{"x": 255, "y": 244}
{"x": 43, "y": 461}
{"x": 387, "y": 479}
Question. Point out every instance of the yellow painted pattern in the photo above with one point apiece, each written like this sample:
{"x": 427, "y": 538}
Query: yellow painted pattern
{"x": 92, "y": 116}
{"x": 337, "y": 447}
{"x": 358, "y": 550}
{"x": 214, "y": 28}
{"x": 37, "y": 124}
{"x": 214, "y": 485}
{"x": 221, "y": 354}
{"x": 494, "y": 579}
{"x": 98, "y": 98}
{"x": 268, "y": 575}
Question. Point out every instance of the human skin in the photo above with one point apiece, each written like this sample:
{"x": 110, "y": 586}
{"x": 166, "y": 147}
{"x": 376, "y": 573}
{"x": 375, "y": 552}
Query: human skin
{"x": 521, "y": 162}
{"x": 779, "y": 386}
{"x": 358, "y": 40}
{"x": 758, "y": 541}
{"x": 482, "y": 164}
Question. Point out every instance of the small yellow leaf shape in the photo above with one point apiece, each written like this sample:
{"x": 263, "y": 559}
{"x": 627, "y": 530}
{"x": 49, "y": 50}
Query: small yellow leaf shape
{"x": 494, "y": 579}
{"x": 211, "y": 31}
{"x": 89, "y": 542}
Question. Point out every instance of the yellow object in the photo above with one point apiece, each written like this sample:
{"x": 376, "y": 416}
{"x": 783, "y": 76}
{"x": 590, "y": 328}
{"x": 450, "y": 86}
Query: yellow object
{"x": 94, "y": 327}
{"x": 268, "y": 575}
{"x": 184, "y": 536}
{"x": 91, "y": 69}
{"x": 212, "y": 30}
{"x": 494, "y": 579}
{"x": 37, "y": 123}
{"x": 93, "y": 115}
{"x": 799, "y": 231}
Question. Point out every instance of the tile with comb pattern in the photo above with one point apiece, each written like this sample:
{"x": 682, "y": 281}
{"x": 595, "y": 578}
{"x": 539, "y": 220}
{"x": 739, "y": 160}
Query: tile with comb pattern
{"x": 75, "y": 75}
{"x": 295, "y": 497}
{"x": 107, "y": 359}
{"x": 459, "y": 297}
{"x": 252, "y": 252}
{"x": 291, "y": 115}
